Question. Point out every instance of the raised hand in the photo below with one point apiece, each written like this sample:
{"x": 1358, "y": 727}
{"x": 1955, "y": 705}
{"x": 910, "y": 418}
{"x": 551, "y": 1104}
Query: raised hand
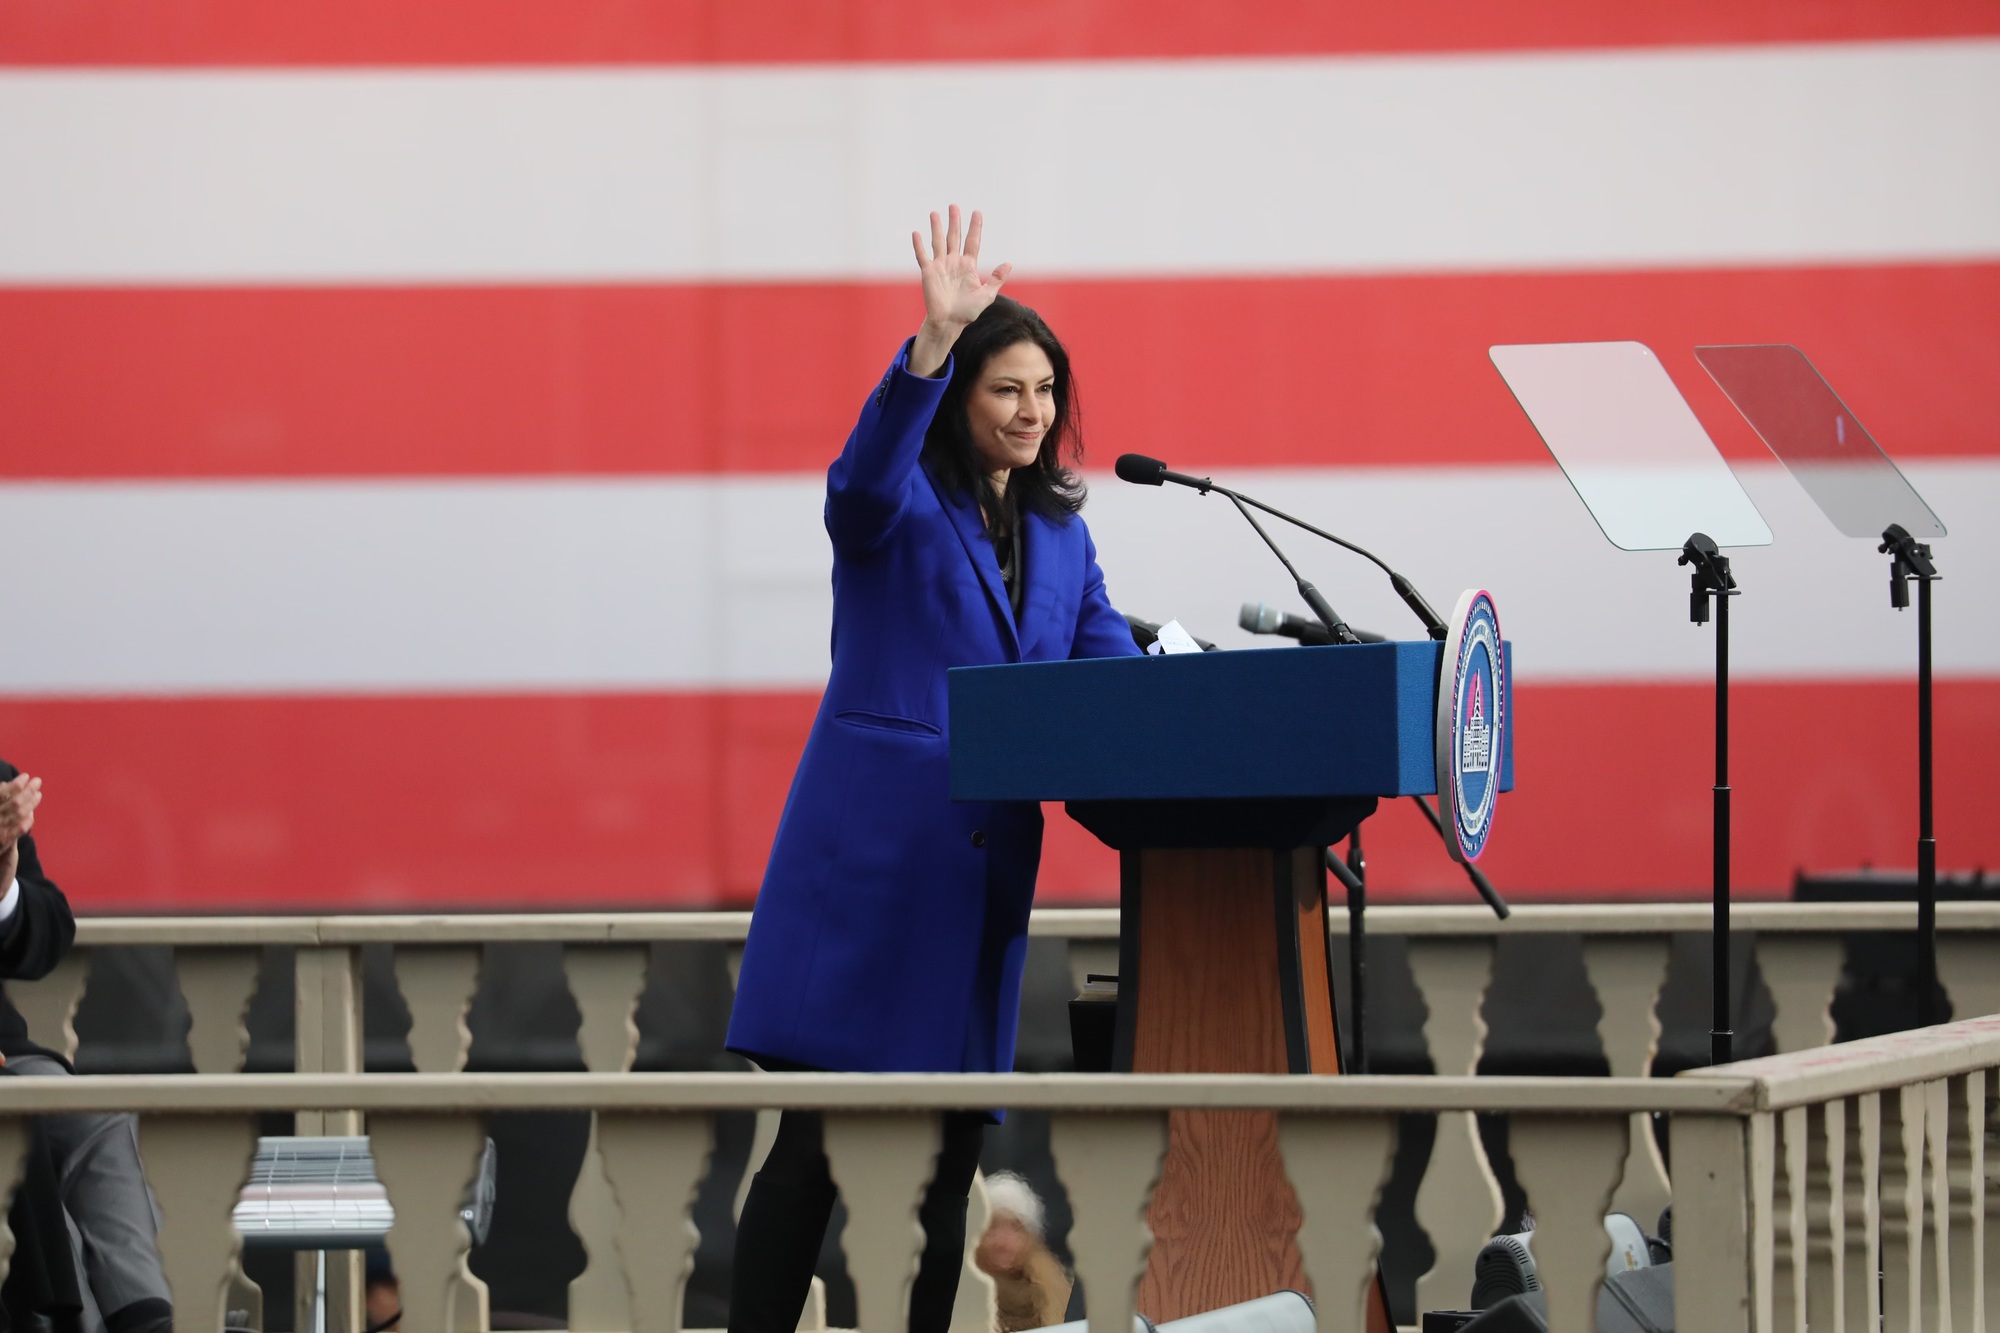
{"x": 954, "y": 290}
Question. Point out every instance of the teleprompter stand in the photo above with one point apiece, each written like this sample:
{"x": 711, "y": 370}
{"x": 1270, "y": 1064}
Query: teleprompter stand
{"x": 1911, "y": 559}
{"x": 1712, "y": 580}
{"x": 1649, "y": 475}
{"x": 1796, "y": 412}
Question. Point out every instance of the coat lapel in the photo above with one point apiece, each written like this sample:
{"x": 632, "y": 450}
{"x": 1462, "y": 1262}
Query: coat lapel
{"x": 1041, "y": 542}
{"x": 963, "y": 511}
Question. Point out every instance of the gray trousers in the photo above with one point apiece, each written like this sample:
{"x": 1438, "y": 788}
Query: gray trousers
{"x": 114, "y": 1223}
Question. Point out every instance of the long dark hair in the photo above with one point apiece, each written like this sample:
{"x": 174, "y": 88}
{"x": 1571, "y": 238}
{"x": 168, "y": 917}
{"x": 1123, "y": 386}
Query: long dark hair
{"x": 1049, "y": 486}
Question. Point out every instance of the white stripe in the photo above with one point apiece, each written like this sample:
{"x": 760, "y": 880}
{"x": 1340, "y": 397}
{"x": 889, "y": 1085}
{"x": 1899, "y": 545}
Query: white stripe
{"x": 1752, "y": 155}
{"x": 197, "y": 588}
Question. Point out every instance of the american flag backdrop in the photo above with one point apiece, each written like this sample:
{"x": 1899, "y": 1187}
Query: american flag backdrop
{"x": 413, "y": 416}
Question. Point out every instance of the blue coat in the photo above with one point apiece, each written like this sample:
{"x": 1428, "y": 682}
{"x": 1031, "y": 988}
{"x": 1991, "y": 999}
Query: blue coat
{"x": 892, "y": 924}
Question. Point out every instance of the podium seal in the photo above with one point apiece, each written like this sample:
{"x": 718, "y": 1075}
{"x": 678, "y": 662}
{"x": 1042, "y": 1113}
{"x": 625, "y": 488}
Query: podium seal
{"x": 1471, "y": 724}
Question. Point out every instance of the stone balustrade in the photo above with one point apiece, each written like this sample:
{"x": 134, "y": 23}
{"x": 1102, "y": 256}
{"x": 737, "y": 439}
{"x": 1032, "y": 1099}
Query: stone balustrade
{"x": 1795, "y": 1177}
{"x": 1450, "y": 954}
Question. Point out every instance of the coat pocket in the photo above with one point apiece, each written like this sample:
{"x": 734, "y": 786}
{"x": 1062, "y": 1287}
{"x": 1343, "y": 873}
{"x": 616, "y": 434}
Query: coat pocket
{"x": 908, "y": 726}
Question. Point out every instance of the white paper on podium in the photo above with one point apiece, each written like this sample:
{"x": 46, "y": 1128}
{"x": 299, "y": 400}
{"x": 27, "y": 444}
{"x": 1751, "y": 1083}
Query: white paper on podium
{"x": 1172, "y": 639}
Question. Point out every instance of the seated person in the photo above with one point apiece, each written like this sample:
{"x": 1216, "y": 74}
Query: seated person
{"x": 1031, "y": 1288}
{"x": 114, "y": 1223}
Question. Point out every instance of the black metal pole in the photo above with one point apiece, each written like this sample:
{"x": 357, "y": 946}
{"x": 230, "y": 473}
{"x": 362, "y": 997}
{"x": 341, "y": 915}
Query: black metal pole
{"x": 1720, "y": 1036}
{"x": 1352, "y": 874}
{"x": 1710, "y": 578}
{"x": 1482, "y": 885}
{"x": 1357, "y": 952}
{"x": 1926, "y": 835}
{"x": 1911, "y": 559}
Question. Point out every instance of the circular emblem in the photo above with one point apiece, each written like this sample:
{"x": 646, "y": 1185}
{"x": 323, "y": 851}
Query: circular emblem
{"x": 1471, "y": 724}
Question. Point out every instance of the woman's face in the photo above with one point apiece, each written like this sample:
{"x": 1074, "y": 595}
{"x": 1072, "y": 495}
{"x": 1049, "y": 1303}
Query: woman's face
{"x": 1011, "y": 407}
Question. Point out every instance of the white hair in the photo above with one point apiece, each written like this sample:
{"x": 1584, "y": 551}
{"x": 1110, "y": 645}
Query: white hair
{"x": 1007, "y": 1193}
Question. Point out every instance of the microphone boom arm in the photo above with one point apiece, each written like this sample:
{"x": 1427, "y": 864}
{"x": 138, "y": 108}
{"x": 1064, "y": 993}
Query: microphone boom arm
{"x": 1314, "y": 599}
{"x": 1433, "y": 624}
{"x": 1152, "y": 472}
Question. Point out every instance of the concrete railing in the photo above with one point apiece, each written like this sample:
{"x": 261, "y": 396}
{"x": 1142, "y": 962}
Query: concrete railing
{"x": 1625, "y": 951}
{"x": 1795, "y": 1177}
{"x": 1855, "y": 1194}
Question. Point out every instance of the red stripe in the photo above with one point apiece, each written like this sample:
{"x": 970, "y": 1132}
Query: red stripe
{"x": 670, "y": 801}
{"x": 252, "y": 32}
{"x": 749, "y": 378}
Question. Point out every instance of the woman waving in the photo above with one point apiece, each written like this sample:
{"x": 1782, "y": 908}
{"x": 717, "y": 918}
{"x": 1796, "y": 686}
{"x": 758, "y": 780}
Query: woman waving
{"x": 891, "y": 927}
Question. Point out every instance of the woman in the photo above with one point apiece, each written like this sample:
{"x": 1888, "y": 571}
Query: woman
{"x": 892, "y": 923}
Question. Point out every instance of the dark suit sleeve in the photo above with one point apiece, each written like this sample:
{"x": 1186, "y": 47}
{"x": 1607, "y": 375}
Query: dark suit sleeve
{"x": 41, "y": 930}
{"x": 868, "y": 486}
{"x": 1100, "y": 630}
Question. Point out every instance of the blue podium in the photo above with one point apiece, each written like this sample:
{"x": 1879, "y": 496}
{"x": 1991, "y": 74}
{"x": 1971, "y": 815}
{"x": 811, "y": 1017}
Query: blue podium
{"x": 1220, "y": 778}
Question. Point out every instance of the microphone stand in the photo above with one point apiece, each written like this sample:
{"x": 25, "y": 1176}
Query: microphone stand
{"x": 1320, "y": 606}
{"x": 1711, "y": 578}
{"x": 1353, "y": 875}
{"x": 1911, "y": 559}
{"x": 1482, "y": 885}
{"x": 1433, "y": 624}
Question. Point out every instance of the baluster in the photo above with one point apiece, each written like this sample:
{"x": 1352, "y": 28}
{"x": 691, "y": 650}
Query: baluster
{"x": 1969, "y": 967}
{"x": 1801, "y": 972}
{"x": 1763, "y": 1225}
{"x": 49, "y": 1005}
{"x": 1793, "y": 1125}
{"x": 1458, "y": 1203}
{"x": 426, "y": 1163}
{"x": 881, "y": 1162}
{"x": 1338, "y": 1165}
{"x": 1871, "y": 1204}
{"x": 1569, "y": 1166}
{"x": 1937, "y": 1132}
{"x": 606, "y": 981}
{"x": 1711, "y": 1235}
{"x": 1834, "y": 1128}
{"x": 13, "y": 1147}
{"x": 217, "y": 984}
{"x": 1109, "y": 1164}
{"x": 1975, "y": 1133}
{"x": 1911, "y": 1105}
{"x": 1628, "y": 972}
{"x": 655, "y": 1164}
{"x": 196, "y": 1165}
{"x": 438, "y": 982}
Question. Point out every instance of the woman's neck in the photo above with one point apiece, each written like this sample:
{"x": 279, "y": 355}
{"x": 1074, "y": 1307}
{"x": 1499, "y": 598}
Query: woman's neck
{"x": 999, "y": 480}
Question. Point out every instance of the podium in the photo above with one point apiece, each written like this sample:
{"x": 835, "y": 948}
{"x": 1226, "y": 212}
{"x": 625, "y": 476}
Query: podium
{"x": 1220, "y": 778}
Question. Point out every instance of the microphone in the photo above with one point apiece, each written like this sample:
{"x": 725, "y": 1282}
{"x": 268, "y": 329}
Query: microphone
{"x": 1152, "y": 472}
{"x": 1144, "y": 471}
{"x": 1263, "y": 618}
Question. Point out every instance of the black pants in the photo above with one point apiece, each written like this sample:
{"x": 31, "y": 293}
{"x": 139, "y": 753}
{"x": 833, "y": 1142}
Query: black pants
{"x": 784, "y": 1223}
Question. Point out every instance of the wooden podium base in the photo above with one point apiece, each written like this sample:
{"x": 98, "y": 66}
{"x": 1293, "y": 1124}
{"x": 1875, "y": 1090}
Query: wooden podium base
{"x": 1223, "y": 970}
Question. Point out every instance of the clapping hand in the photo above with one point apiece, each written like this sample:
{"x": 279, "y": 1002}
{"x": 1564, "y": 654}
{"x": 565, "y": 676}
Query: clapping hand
{"x": 18, "y": 800}
{"x": 954, "y": 290}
